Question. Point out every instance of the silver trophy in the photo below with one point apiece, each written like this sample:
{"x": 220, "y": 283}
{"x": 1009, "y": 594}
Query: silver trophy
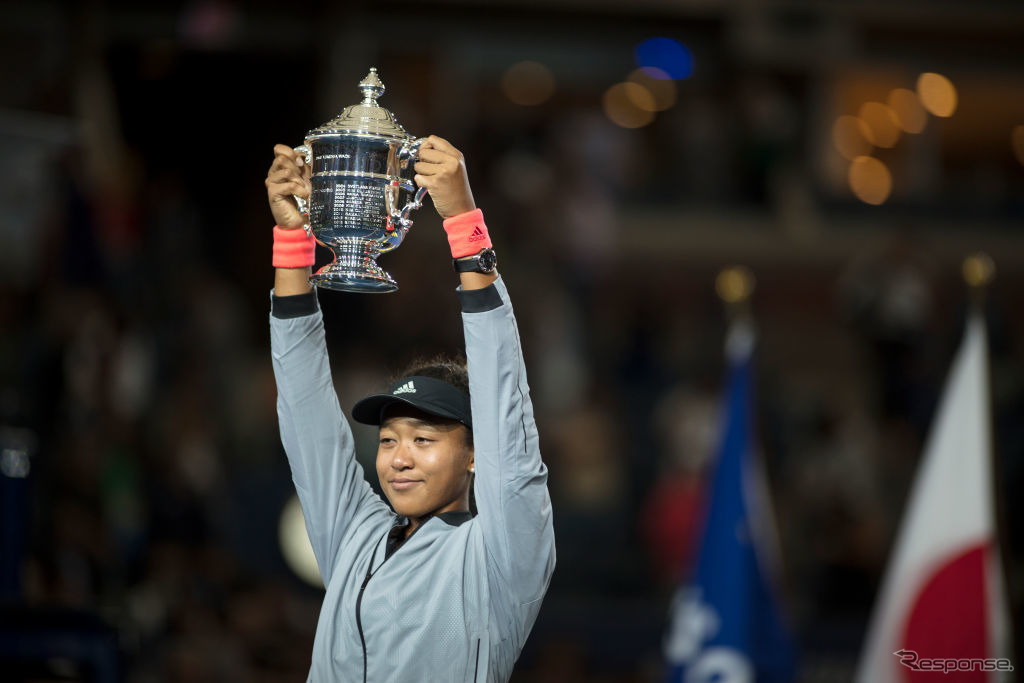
{"x": 363, "y": 191}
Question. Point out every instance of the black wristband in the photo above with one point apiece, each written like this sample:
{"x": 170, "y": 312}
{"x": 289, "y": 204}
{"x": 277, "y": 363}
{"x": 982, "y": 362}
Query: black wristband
{"x": 480, "y": 300}
{"x": 294, "y": 306}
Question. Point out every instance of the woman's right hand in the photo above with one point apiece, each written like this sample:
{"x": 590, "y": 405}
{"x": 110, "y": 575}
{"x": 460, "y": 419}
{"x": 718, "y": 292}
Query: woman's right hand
{"x": 289, "y": 175}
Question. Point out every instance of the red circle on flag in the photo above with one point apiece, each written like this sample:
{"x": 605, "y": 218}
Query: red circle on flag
{"x": 948, "y": 619}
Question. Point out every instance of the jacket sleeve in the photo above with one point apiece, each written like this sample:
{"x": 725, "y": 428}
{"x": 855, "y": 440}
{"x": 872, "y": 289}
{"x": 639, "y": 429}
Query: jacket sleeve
{"x": 336, "y": 500}
{"x": 513, "y": 505}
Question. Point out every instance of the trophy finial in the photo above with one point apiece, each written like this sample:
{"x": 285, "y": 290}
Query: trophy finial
{"x": 372, "y": 87}
{"x": 365, "y": 116}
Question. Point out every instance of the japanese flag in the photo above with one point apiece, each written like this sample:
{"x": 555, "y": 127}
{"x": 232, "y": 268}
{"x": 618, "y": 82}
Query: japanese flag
{"x": 943, "y": 605}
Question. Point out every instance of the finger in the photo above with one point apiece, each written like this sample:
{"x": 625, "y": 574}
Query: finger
{"x": 286, "y": 151}
{"x": 439, "y": 143}
{"x": 424, "y": 181}
{"x": 286, "y": 196}
{"x": 285, "y": 168}
{"x": 284, "y": 163}
{"x": 428, "y": 168}
{"x": 437, "y": 156}
{"x": 287, "y": 189}
{"x": 287, "y": 175}
{"x": 284, "y": 155}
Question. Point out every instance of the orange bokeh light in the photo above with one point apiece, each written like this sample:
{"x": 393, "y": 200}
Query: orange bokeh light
{"x": 620, "y": 105}
{"x": 659, "y": 85}
{"x": 882, "y": 124}
{"x": 937, "y": 93}
{"x": 870, "y": 180}
{"x": 909, "y": 113}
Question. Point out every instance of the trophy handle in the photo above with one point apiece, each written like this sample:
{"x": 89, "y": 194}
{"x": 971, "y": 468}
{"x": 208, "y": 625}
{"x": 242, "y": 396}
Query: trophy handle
{"x": 301, "y": 203}
{"x": 410, "y": 151}
{"x": 402, "y": 217}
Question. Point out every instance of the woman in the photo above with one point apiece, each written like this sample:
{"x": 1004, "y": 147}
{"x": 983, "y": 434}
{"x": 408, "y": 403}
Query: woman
{"x": 428, "y": 592}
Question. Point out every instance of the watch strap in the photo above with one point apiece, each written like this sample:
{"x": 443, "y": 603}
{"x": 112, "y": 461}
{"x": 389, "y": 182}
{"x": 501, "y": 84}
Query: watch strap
{"x": 472, "y": 264}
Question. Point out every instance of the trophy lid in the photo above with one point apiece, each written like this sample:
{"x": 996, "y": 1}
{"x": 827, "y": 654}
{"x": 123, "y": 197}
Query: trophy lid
{"x": 366, "y": 117}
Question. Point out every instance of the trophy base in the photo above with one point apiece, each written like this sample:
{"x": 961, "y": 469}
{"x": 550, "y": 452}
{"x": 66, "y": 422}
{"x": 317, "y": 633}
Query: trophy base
{"x": 365, "y": 277}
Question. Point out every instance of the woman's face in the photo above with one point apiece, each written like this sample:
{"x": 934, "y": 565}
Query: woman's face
{"x": 423, "y": 463}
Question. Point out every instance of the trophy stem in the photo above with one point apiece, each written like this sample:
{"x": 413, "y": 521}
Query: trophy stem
{"x": 354, "y": 269}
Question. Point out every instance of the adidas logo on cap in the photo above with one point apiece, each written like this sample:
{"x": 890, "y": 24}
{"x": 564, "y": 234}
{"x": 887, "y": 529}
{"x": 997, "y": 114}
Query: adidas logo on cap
{"x": 407, "y": 388}
{"x": 477, "y": 234}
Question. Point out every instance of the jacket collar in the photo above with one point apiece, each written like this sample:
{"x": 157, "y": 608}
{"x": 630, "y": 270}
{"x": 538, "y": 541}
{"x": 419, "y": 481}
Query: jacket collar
{"x": 396, "y": 537}
{"x": 455, "y": 517}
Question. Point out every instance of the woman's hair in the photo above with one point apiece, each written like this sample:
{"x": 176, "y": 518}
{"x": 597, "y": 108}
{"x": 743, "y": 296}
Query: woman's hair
{"x": 450, "y": 369}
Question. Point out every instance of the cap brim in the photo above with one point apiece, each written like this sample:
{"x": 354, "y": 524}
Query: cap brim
{"x": 369, "y": 410}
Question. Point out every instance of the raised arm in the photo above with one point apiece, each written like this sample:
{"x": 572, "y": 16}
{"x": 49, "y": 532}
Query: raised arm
{"x": 336, "y": 500}
{"x": 514, "y": 508}
{"x": 511, "y": 479}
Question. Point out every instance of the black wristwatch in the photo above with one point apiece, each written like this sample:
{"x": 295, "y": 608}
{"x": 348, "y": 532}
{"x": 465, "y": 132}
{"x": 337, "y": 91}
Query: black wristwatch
{"x": 484, "y": 261}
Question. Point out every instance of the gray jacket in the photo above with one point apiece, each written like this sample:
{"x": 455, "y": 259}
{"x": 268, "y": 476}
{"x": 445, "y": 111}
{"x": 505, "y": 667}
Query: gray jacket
{"x": 456, "y": 601}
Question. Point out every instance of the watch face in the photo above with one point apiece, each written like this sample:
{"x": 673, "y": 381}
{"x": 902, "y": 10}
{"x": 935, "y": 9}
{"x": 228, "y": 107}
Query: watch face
{"x": 487, "y": 260}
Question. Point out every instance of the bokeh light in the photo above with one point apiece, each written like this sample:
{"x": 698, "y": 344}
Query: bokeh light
{"x": 661, "y": 88}
{"x": 883, "y": 128}
{"x": 640, "y": 96}
{"x": 978, "y": 269}
{"x": 735, "y": 284}
{"x": 937, "y": 93}
{"x": 295, "y": 545}
{"x": 619, "y": 103}
{"x": 870, "y": 180}
{"x": 665, "y": 55}
{"x": 1017, "y": 141}
{"x": 850, "y": 136}
{"x": 909, "y": 113}
{"x": 528, "y": 83}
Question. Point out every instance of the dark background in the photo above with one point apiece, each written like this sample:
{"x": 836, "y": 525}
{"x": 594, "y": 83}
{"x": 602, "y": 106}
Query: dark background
{"x": 135, "y": 271}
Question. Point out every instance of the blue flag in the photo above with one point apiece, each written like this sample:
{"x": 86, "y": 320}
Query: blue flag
{"x": 725, "y": 625}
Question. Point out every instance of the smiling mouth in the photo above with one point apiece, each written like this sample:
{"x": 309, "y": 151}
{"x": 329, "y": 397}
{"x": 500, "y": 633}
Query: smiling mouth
{"x": 402, "y": 484}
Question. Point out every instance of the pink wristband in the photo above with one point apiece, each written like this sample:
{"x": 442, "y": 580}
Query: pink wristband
{"x": 467, "y": 233}
{"x": 293, "y": 248}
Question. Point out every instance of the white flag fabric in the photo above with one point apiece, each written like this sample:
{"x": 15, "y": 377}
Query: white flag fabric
{"x": 942, "y": 605}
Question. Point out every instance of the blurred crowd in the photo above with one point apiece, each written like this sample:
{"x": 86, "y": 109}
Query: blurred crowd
{"x": 135, "y": 372}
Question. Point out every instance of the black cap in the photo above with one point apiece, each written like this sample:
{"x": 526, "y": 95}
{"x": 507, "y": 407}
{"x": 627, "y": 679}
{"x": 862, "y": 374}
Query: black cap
{"x": 432, "y": 396}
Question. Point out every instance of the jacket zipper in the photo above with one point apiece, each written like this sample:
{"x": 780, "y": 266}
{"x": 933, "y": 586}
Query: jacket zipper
{"x": 359, "y": 622}
{"x": 359, "y": 605}
{"x": 359, "y": 599}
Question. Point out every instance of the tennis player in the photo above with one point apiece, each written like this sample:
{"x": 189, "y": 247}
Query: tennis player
{"x": 423, "y": 590}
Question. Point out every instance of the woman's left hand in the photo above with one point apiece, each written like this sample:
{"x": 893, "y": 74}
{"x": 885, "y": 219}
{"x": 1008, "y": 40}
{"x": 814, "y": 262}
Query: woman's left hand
{"x": 442, "y": 170}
